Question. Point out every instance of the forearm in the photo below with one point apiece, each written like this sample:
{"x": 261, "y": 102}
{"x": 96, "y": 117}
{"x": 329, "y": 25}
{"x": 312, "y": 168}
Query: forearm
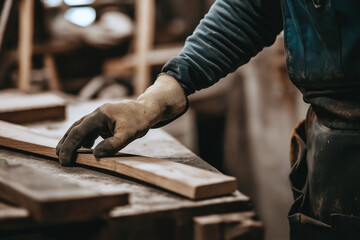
{"x": 230, "y": 34}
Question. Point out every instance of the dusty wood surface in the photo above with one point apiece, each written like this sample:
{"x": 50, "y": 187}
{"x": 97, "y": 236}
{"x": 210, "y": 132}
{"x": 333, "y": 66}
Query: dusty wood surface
{"x": 18, "y": 107}
{"x": 152, "y": 211}
{"x": 51, "y": 198}
{"x": 152, "y": 214}
{"x": 185, "y": 180}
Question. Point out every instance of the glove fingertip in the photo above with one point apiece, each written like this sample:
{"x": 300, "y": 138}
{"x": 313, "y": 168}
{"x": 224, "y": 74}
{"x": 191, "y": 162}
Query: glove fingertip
{"x": 66, "y": 164}
{"x": 99, "y": 154}
{"x": 58, "y": 147}
{"x": 104, "y": 149}
{"x": 57, "y": 150}
{"x": 66, "y": 159}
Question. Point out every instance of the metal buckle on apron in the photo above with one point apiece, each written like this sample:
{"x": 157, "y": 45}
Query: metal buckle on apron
{"x": 319, "y": 3}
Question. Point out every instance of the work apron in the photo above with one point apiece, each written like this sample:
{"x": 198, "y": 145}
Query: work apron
{"x": 325, "y": 180}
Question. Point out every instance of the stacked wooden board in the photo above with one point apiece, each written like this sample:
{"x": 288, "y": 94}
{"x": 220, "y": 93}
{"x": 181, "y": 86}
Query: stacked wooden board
{"x": 19, "y": 107}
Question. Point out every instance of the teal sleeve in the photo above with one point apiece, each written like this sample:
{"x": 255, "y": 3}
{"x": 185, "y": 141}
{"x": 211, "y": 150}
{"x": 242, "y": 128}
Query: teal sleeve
{"x": 229, "y": 35}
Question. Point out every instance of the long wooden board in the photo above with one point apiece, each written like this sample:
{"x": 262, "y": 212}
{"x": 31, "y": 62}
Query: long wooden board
{"x": 185, "y": 180}
{"x": 50, "y": 198}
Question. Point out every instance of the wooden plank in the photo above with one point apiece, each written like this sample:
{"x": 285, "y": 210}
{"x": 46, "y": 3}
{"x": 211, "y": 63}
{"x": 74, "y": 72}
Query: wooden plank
{"x": 11, "y": 212}
{"x": 237, "y": 225}
{"x": 19, "y": 107}
{"x": 185, "y": 180}
{"x": 50, "y": 198}
{"x": 26, "y": 32}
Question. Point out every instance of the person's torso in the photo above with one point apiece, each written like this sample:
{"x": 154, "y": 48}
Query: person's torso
{"x": 322, "y": 41}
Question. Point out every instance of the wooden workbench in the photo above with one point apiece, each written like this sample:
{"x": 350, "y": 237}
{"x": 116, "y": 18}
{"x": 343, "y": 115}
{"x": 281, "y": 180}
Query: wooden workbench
{"x": 152, "y": 214}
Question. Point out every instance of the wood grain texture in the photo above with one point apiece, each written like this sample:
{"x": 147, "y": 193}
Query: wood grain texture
{"x": 50, "y": 198}
{"x": 19, "y": 107}
{"x": 25, "y": 44}
{"x": 185, "y": 180}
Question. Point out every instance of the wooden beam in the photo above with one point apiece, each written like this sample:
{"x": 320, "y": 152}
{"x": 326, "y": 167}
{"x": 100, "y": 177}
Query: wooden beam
{"x": 155, "y": 57}
{"x": 182, "y": 179}
{"x": 6, "y": 9}
{"x": 50, "y": 198}
{"x": 144, "y": 38}
{"x": 26, "y": 34}
{"x": 52, "y": 73}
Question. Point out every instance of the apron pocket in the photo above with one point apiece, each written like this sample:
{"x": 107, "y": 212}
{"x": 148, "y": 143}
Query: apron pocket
{"x": 345, "y": 227}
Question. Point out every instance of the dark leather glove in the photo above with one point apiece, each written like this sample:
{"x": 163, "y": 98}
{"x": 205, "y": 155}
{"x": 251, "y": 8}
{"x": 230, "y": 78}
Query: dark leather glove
{"x": 121, "y": 123}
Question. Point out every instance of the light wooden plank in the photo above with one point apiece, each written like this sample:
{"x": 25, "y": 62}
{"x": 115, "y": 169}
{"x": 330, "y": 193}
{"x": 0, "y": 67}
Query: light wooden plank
{"x": 182, "y": 179}
{"x": 11, "y": 212}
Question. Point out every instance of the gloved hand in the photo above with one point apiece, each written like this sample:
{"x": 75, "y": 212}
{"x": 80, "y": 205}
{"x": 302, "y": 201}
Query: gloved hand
{"x": 121, "y": 123}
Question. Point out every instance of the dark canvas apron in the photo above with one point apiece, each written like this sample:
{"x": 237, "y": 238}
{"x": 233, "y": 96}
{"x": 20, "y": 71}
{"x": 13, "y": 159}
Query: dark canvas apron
{"x": 325, "y": 180}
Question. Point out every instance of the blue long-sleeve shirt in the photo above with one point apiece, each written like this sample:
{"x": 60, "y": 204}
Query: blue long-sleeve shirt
{"x": 322, "y": 42}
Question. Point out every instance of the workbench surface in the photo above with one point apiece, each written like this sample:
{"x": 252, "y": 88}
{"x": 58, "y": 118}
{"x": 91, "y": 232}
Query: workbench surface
{"x": 153, "y": 213}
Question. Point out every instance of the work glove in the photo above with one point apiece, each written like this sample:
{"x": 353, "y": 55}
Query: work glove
{"x": 121, "y": 123}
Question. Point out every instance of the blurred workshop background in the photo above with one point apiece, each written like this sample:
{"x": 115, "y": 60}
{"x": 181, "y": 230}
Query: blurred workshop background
{"x": 110, "y": 49}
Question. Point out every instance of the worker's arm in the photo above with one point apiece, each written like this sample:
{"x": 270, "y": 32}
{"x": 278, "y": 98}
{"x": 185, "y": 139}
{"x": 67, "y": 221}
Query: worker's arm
{"x": 230, "y": 34}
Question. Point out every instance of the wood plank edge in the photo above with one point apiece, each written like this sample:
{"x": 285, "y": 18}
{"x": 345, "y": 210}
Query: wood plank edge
{"x": 215, "y": 189}
{"x": 27, "y": 147}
